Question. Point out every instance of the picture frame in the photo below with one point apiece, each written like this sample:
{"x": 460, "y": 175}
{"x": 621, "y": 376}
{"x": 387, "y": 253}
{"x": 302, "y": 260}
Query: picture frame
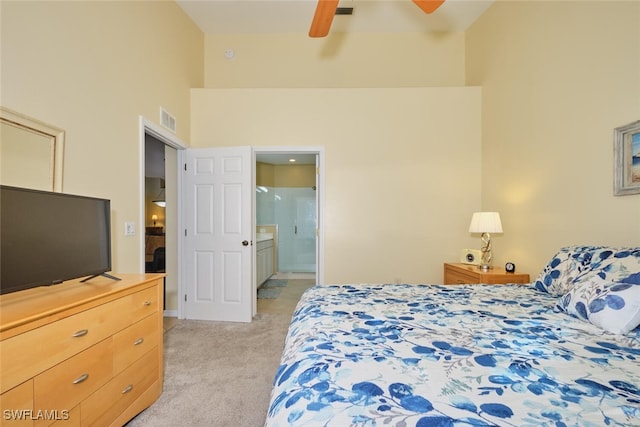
{"x": 626, "y": 156}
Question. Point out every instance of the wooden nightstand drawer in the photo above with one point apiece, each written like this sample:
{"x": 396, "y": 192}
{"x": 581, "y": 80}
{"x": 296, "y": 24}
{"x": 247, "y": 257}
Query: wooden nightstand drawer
{"x": 459, "y": 277}
{"x": 456, "y": 274}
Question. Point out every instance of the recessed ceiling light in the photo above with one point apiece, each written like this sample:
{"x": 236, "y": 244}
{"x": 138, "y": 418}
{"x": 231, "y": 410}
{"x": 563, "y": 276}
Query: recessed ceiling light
{"x": 292, "y": 160}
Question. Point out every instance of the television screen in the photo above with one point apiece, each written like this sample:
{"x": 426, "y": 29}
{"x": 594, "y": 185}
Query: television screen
{"x": 47, "y": 238}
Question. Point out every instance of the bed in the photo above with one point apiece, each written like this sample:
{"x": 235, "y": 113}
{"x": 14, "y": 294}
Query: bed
{"x": 540, "y": 354}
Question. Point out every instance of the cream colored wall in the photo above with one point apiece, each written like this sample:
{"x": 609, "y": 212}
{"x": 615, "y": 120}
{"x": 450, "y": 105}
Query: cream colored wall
{"x": 339, "y": 60}
{"x": 295, "y": 176}
{"x": 285, "y": 175}
{"x": 557, "y": 77}
{"x": 265, "y": 174}
{"x": 401, "y": 168}
{"x": 92, "y": 68}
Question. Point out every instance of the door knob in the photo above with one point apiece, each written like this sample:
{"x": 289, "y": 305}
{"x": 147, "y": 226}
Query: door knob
{"x": 245, "y": 243}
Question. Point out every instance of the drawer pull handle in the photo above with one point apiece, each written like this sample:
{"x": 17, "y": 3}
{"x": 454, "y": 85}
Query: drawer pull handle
{"x": 80, "y": 333}
{"x": 138, "y": 341}
{"x": 81, "y": 378}
{"x": 127, "y": 389}
{"x": 147, "y": 303}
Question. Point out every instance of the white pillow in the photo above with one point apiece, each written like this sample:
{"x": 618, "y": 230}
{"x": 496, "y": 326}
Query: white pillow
{"x": 612, "y": 306}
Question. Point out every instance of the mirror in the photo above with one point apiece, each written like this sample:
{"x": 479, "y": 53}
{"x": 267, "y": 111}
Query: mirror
{"x": 31, "y": 152}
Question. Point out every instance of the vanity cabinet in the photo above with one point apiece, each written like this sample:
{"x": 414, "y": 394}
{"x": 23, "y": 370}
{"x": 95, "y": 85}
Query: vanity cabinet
{"x": 80, "y": 354}
{"x": 264, "y": 261}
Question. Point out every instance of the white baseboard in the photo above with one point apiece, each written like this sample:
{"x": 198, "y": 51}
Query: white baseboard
{"x": 294, "y": 276}
{"x": 171, "y": 313}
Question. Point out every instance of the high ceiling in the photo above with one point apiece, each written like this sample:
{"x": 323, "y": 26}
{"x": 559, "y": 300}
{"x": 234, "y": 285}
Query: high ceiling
{"x": 294, "y": 16}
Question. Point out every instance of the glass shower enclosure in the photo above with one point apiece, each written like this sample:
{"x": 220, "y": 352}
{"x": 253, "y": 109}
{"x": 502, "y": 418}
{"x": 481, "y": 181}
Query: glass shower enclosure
{"x": 294, "y": 211}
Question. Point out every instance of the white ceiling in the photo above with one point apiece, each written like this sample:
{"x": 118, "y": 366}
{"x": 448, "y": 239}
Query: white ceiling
{"x": 294, "y": 16}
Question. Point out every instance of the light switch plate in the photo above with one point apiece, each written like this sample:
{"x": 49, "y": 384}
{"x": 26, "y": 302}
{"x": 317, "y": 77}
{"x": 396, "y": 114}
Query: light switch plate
{"x": 129, "y": 228}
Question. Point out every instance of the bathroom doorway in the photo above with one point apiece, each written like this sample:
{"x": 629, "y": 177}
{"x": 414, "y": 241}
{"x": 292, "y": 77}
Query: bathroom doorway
{"x": 289, "y": 204}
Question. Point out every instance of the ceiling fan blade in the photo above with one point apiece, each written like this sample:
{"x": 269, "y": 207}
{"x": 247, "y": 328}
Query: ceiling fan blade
{"x": 322, "y": 19}
{"x": 428, "y": 6}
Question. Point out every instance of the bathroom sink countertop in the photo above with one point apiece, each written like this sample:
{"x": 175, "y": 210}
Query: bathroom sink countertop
{"x": 261, "y": 237}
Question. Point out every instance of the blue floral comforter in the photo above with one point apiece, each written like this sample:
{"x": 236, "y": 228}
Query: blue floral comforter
{"x": 465, "y": 355}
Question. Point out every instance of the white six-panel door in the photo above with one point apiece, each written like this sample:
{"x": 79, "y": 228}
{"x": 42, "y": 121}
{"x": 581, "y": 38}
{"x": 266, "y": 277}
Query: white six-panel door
{"x": 218, "y": 236}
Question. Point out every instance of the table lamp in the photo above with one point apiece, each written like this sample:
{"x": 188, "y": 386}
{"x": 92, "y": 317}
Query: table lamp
{"x": 485, "y": 223}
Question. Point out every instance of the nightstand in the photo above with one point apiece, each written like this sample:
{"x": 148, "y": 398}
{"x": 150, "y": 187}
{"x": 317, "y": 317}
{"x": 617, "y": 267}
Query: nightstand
{"x": 456, "y": 274}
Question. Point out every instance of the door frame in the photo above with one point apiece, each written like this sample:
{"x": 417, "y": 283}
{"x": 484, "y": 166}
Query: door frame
{"x": 320, "y": 197}
{"x": 145, "y": 127}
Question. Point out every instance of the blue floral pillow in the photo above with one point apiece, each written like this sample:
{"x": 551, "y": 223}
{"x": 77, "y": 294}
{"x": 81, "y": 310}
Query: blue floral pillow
{"x": 612, "y": 306}
{"x": 559, "y": 275}
{"x": 576, "y": 264}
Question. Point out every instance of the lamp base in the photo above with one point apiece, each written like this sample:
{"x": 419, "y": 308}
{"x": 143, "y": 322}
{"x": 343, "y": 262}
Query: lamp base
{"x": 485, "y": 267}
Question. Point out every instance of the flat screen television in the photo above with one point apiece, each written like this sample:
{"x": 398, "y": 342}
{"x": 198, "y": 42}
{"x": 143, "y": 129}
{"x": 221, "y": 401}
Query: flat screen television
{"x": 47, "y": 238}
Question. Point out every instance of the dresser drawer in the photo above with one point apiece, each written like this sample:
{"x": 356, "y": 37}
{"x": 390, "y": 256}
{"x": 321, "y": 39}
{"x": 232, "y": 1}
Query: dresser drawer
{"x": 117, "y": 395}
{"x": 21, "y": 360}
{"x": 63, "y": 386}
{"x": 28, "y": 354}
{"x": 141, "y": 304}
{"x": 133, "y": 342}
{"x": 72, "y": 419}
{"x": 16, "y": 404}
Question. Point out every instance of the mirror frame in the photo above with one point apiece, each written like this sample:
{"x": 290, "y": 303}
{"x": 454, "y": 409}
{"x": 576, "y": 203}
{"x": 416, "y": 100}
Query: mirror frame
{"x": 56, "y": 134}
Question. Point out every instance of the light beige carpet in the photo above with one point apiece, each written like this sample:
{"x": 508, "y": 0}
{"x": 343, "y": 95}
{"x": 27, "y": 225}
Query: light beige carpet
{"x": 218, "y": 373}
{"x": 221, "y": 373}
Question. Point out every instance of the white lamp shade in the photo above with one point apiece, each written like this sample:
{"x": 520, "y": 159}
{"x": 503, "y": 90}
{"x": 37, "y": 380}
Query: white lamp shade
{"x": 485, "y": 222}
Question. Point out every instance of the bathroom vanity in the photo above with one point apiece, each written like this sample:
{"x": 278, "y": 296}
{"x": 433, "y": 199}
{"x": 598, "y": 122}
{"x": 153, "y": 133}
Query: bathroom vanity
{"x": 265, "y": 250}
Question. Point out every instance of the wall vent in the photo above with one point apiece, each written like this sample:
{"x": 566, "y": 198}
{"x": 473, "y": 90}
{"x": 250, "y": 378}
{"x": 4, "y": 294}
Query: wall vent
{"x": 167, "y": 120}
{"x": 344, "y": 11}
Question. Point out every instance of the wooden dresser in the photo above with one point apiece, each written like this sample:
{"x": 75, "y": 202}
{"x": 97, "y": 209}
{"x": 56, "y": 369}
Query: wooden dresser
{"x": 81, "y": 354}
{"x": 456, "y": 274}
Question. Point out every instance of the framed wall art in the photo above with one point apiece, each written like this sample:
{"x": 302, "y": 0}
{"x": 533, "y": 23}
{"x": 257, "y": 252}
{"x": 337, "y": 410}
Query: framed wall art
{"x": 626, "y": 157}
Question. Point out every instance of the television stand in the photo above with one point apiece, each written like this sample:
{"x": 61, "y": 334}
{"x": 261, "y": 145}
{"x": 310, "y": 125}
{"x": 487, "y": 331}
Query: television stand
{"x": 109, "y": 276}
{"x": 107, "y": 338}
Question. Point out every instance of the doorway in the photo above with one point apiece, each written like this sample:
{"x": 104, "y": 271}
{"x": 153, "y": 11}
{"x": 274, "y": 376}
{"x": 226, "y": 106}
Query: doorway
{"x": 289, "y": 204}
{"x": 159, "y": 208}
